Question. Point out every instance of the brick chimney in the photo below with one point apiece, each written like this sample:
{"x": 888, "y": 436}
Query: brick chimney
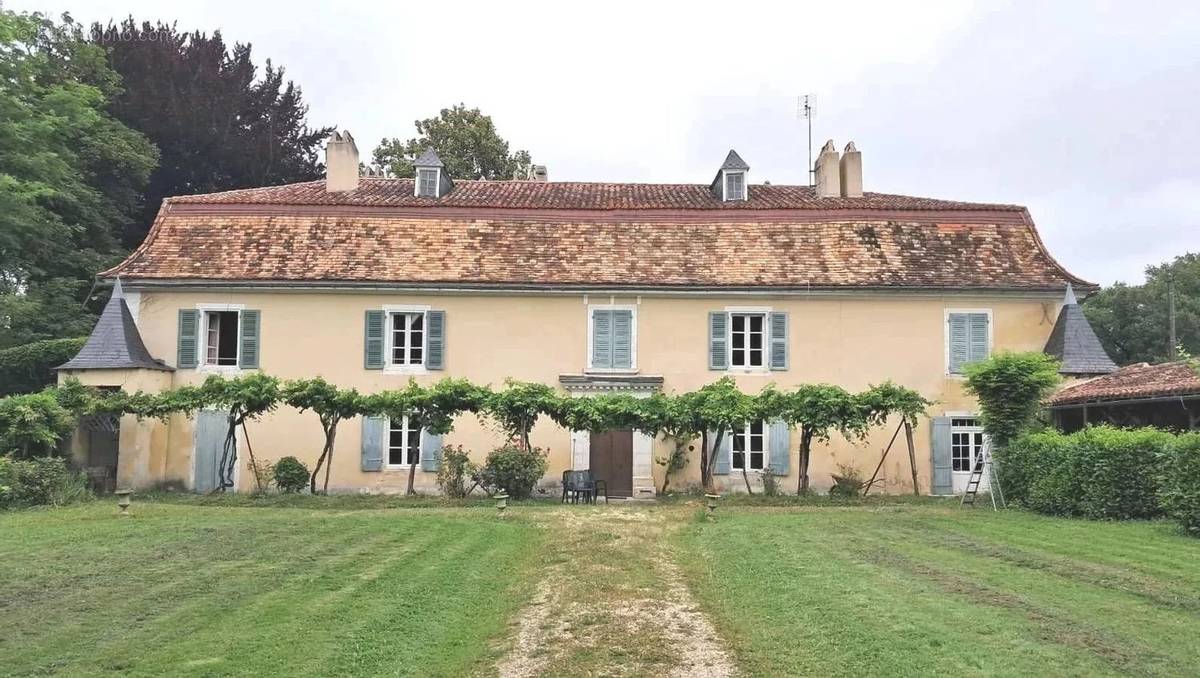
{"x": 851, "y": 172}
{"x": 829, "y": 184}
{"x": 341, "y": 163}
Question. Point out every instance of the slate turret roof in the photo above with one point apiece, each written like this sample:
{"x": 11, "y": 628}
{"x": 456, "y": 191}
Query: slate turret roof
{"x": 1075, "y": 344}
{"x": 115, "y": 342}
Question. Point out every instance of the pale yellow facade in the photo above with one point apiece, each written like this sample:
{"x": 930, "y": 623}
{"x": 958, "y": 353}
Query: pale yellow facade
{"x": 852, "y": 340}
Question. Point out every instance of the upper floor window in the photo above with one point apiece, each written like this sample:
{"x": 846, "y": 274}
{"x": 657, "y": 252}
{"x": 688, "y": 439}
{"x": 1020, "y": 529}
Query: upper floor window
{"x": 735, "y": 185}
{"x": 968, "y": 338}
{"x": 427, "y": 182}
{"x": 612, "y": 339}
{"x": 749, "y": 448}
{"x": 404, "y": 443}
{"x": 408, "y": 339}
{"x": 747, "y": 339}
{"x": 221, "y": 337}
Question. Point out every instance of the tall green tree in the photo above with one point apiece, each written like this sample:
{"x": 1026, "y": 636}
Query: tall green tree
{"x": 1131, "y": 320}
{"x": 219, "y": 122}
{"x": 466, "y": 141}
{"x": 71, "y": 177}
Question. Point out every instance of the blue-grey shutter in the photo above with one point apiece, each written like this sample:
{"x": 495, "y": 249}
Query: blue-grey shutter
{"x": 780, "y": 439}
{"x": 602, "y": 339}
{"x": 718, "y": 340}
{"x": 211, "y": 428}
{"x": 372, "y": 443}
{"x": 779, "y": 340}
{"x": 373, "y": 340}
{"x": 189, "y": 331}
{"x": 978, "y": 337}
{"x": 431, "y": 451}
{"x": 435, "y": 352}
{"x": 958, "y": 340}
{"x": 724, "y": 454}
{"x": 942, "y": 483}
{"x": 622, "y": 339}
{"x": 248, "y": 355}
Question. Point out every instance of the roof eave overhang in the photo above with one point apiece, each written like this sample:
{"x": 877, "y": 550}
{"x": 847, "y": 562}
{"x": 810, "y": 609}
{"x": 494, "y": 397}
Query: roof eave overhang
{"x": 1105, "y": 402}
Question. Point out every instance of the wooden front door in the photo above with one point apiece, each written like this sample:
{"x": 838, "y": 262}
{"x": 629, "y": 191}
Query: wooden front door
{"x": 612, "y": 461}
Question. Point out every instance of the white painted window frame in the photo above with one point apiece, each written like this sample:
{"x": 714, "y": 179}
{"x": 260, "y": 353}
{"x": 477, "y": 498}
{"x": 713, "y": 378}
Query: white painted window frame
{"x": 633, "y": 338}
{"x": 746, "y": 455}
{"x": 202, "y": 345}
{"x": 725, "y": 174}
{"x": 387, "y": 445}
{"x": 437, "y": 182}
{"x": 389, "y": 311}
{"x": 946, "y": 337}
{"x": 765, "y": 312}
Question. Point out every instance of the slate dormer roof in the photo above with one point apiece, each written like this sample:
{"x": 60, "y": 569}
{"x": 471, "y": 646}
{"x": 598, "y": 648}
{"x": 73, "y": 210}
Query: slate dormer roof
{"x": 733, "y": 161}
{"x": 115, "y": 342}
{"x": 1075, "y": 343}
{"x": 428, "y": 158}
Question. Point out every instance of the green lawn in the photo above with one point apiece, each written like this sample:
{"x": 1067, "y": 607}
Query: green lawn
{"x": 200, "y": 590}
{"x": 911, "y": 590}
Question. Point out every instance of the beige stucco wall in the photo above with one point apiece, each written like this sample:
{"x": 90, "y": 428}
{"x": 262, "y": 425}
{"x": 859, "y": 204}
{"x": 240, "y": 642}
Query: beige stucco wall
{"x": 849, "y": 340}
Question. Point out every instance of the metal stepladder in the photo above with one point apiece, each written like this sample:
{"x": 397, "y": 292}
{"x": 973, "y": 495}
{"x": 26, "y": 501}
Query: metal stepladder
{"x": 984, "y": 464}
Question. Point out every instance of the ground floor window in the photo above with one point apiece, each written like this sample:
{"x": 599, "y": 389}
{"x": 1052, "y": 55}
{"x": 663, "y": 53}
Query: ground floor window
{"x": 404, "y": 443}
{"x": 966, "y": 443}
{"x": 750, "y": 447}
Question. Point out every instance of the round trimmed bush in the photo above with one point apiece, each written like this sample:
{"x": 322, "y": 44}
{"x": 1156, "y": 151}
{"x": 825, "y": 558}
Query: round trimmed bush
{"x": 291, "y": 475}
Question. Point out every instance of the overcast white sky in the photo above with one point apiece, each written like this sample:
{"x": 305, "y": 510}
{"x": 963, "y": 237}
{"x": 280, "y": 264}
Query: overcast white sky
{"x": 1088, "y": 113}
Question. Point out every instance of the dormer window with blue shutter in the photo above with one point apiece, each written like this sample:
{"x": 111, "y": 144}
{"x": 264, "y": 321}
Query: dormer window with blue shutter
{"x": 427, "y": 183}
{"x": 730, "y": 183}
{"x": 968, "y": 338}
{"x": 430, "y": 179}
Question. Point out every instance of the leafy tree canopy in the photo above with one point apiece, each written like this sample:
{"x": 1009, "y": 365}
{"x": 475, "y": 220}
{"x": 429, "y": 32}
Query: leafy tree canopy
{"x": 1131, "y": 320}
{"x": 466, "y": 141}
{"x": 1010, "y": 388}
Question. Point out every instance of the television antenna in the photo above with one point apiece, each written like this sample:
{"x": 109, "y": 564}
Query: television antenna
{"x": 804, "y": 111}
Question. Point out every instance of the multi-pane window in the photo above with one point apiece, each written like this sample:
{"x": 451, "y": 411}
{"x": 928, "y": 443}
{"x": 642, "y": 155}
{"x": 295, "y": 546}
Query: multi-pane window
{"x": 427, "y": 183}
{"x": 966, "y": 444}
{"x": 967, "y": 339}
{"x": 735, "y": 186}
{"x": 221, "y": 338}
{"x": 408, "y": 338}
{"x": 404, "y": 443}
{"x": 750, "y": 447}
{"x": 747, "y": 338}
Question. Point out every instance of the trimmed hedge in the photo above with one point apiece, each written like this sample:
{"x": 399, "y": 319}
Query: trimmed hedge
{"x": 1180, "y": 490}
{"x": 30, "y": 367}
{"x": 1102, "y": 472}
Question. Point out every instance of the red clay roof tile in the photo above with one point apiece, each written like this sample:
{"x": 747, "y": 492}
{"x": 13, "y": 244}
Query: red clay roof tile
{"x": 1133, "y": 382}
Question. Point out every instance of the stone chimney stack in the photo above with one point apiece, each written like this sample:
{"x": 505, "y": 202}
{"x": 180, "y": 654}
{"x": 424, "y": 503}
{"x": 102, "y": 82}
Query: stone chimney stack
{"x": 341, "y": 163}
{"x": 851, "y": 172}
{"x": 829, "y": 183}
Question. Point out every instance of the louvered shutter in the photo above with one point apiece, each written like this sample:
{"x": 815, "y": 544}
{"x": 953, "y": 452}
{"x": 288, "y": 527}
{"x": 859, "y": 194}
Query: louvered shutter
{"x": 622, "y": 339}
{"x": 724, "y": 454}
{"x": 977, "y": 337}
{"x": 373, "y": 340}
{"x": 602, "y": 339}
{"x": 779, "y": 340}
{"x": 431, "y": 451}
{"x": 958, "y": 342}
{"x": 780, "y": 440}
{"x": 436, "y": 340}
{"x": 189, "y": 330}
{"x": 718, "y": 340}
{"x": 248, "y": 355}
{"x": 372, "y": 443}
{"x": 942, "y": 479}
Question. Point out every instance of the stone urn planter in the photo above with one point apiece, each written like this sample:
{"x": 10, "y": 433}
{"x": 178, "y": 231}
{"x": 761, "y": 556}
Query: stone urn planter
{"x": 123, "y": 501}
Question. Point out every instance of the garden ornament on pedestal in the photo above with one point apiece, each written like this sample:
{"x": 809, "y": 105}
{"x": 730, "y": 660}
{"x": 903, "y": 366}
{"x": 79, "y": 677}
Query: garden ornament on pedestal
{"x": 501, "y": 504}
{"x": 711, "y": 503}
{"x": 123, "y": 501}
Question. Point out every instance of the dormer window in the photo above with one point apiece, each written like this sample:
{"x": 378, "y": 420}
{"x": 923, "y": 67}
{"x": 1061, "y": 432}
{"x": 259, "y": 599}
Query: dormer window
{"x": 735, "y": 185}
{"x": 427, "y": 182}
{"x": 430, "y": 179}
{"x": 730, "y": 182}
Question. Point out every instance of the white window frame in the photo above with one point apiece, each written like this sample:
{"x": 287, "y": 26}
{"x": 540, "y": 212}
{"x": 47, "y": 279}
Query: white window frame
{"x": 946, "y": 337}
{"x": 633, "y": 338}
{"x": 765, "y": 312}
{"x": 387, "y": 444}
{"x": 437, "y": 182}
{"x": 971, "y": 430}
{"x": 389, "y": 312}
{"x": 202, "y": 344}
{"x": 766, "y": 436}
{"x": 725, "y": 174}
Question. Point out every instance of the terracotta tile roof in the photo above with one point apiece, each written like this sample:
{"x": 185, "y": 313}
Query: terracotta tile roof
{"x": 572, "y": 234}
{"x": 1133, "y": 382}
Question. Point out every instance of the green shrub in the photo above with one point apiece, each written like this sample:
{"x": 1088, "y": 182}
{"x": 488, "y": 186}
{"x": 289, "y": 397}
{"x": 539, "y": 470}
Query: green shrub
{"x": 847, "y": 482}
{"x": 514, "y": 470}
{"x": 30, "y": 367}
{"x": 456, "y": 471}
{"x": 32, "y": 425}
{"x": 1010, "y": 388}
{"x": 1180, "y": 486}
{"x": 291, "y": 475}
{"x": 40, "y": 481}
